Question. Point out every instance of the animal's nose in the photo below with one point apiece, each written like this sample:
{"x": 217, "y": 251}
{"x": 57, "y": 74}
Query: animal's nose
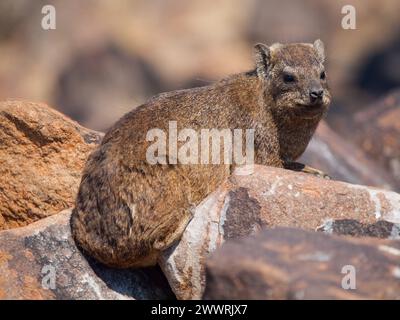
{"x": 316, "y": 94}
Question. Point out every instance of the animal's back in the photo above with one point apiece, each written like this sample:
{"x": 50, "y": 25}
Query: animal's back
{"x": 128, "y": 210}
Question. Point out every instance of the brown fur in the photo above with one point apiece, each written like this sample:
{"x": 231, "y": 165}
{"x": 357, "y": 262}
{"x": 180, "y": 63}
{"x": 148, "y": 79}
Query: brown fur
{"x": 127, "y": 210}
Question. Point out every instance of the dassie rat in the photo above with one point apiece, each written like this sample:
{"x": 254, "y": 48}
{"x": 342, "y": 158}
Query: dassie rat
{"x": 128, "y": 210}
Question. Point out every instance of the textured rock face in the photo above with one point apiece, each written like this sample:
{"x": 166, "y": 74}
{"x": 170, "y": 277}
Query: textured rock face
{"x": 271, "y": 197}
{"x": 286, "y": 263}
{"x": 42, "y": 153}
{"x": 346, "y": 161}
{"x": 31, "y": 255}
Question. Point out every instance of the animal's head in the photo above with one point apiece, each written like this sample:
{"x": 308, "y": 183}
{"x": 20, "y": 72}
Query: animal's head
{"x": 295, "y": 77}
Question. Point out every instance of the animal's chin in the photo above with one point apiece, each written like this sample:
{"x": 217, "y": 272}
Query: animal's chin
{"x": 309, "y": 110}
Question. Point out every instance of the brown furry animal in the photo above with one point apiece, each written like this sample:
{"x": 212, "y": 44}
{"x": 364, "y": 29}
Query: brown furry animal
{"x": 128, "y": 210}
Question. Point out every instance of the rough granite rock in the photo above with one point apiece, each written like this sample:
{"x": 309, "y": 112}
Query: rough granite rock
{"x": 42, "y": 153}
{"x": 345, "y": 161}
{"x": 271, "y": 197}
{"x": 29, "y": 256}
{"x": 288, "y": 263}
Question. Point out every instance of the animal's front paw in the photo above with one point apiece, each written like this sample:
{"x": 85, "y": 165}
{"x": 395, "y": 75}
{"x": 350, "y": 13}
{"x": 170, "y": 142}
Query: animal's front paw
{"x": 316, "y": 172}
{"x": 323, "y": 175}
{"x": 296, "y": 166}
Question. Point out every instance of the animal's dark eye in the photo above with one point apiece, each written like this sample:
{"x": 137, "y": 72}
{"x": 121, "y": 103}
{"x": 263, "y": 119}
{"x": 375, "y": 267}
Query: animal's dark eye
{"x": 323, "y": 75}
{"x": 288, "y": 78}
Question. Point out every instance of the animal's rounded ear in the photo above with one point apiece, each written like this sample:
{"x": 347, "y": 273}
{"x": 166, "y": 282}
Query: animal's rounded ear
{"x": 320, "y": 49}
{"x": 262, "y": 57}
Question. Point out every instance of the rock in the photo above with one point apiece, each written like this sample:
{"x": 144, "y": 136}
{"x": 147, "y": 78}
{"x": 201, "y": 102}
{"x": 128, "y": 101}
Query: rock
{"x": 350, "y": 227}
{"x": 377, "y": 131}
{"x": 374, "y": 129}
{"x": 288, "y": 263}
{"x": 344, "y": 160}
{"x": 42, "y": 153}
{"x": 271, "y": 197}
{"x": 29, "y": 256}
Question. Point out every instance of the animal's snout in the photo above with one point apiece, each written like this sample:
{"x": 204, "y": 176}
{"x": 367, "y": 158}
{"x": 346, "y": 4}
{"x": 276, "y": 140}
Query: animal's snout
{"x": 316, "y": 95}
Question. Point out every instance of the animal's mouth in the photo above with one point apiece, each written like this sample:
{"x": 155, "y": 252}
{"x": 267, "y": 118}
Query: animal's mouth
{"x": 310, "y": 110}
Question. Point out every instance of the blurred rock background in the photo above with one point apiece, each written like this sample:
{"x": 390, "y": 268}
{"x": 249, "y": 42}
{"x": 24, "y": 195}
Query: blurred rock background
{"x": 107, "y": 57}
